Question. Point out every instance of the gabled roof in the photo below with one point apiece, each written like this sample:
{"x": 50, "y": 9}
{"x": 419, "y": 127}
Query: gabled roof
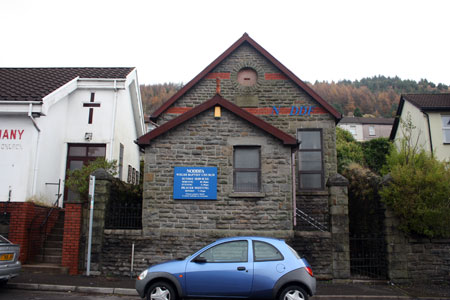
{"x": 429, "y": 101}
{"x": 247, "y": 39}
{"x": 33, "y": 84}
{"x": 361, "y": 120}
{"x": 424, "y": 102}
{"x": 217, "y": 100}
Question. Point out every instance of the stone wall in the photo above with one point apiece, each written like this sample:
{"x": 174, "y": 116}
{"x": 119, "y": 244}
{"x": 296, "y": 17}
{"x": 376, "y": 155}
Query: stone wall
{"x": 206, "y": 141}
{"x": 413, "y": 259}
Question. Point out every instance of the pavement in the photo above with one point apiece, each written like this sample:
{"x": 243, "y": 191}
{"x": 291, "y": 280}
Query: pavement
{"x": 334, "y": 290}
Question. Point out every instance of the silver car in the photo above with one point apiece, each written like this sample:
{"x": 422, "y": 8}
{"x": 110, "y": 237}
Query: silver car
{"x": 9, "y": 260}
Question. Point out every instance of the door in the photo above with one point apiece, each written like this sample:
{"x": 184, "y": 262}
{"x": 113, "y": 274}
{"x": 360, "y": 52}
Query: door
{"x": 79, "y": 155}
{"x": 221, "y": 271}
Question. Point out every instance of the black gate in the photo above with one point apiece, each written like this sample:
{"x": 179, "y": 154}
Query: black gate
{"x": 368, "y": 256}
{"x": 368, "y": 249}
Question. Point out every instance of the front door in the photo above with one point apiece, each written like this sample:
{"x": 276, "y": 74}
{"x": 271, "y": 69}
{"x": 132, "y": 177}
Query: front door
{"x": 221, "y": 271}
{"x": 79, "y": 155}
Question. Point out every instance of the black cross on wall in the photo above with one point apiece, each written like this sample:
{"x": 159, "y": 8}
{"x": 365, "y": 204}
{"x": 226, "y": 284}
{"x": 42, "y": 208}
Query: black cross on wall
{"x": 91, "y": 106}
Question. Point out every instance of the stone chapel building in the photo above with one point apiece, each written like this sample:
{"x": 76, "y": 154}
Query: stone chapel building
{"x": 245, "y": 148}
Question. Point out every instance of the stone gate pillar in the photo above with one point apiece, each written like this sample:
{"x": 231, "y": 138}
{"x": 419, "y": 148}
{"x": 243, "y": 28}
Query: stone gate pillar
{"x": 103, "y": 181}
{"x": 339, "y": 225}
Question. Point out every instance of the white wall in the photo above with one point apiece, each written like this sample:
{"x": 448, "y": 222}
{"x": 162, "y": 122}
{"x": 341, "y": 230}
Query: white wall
{"x": 441, "y": 150}
{"x": 16, "y": 157}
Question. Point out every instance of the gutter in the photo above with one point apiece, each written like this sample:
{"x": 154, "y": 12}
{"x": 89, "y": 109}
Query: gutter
{"x": 429, "y": 132}
{"x": 36, "y": 156}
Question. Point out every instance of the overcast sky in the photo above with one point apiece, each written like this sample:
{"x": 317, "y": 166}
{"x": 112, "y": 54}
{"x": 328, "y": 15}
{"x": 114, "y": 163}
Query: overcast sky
{"x": 173, "y": 41}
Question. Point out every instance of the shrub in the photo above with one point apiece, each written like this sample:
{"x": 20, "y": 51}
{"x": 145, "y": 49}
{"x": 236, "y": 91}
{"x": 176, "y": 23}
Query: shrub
{"x": 348, "y": 149}
{"x": 78, "y": 180}
{"x": 419, "y": 192}
{"x": 375, "y": 152}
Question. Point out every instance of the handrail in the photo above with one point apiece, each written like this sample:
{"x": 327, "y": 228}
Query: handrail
{"x": 313, "y": 222}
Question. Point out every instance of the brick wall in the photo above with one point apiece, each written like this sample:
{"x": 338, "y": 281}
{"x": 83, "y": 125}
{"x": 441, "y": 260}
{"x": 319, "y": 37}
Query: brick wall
{"x": 71, "y": 241}
{"x": 25, "y": 228}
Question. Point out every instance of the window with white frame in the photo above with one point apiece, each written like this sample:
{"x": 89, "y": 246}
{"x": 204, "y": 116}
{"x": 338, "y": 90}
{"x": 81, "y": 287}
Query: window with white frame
{"x": 371, "y": 130}
{"x": 353, "y": 130}
{"x": 446, "y": 128}
{"x": 310, "y": 159}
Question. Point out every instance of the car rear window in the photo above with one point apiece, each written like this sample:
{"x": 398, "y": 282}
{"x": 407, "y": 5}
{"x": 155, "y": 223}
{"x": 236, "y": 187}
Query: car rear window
{"x": 266, "y": 252}
{"x": 294, "y": 252}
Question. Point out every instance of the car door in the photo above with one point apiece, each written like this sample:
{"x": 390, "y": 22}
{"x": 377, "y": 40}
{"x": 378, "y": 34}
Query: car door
{"x": 268, "y": 267}
{"x": 223, "y": 270}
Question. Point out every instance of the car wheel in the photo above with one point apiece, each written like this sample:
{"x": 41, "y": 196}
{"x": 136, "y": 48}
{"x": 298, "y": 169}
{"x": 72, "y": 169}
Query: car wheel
{"x": 161, "y": 291}
{"x": 293, "y": 292}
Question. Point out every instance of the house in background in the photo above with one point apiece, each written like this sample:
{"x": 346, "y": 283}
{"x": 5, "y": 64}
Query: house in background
{"x": 430, "y": 114}
{"x": 54, "y": 119}
{"x": 364, "y": 129}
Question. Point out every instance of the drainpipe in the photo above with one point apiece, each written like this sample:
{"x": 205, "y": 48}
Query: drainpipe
{"x": 429, "y": 133}
{"x": 294, "y": 190}
{"x": 113, "y": 125}
{"x": 36, "y": 156}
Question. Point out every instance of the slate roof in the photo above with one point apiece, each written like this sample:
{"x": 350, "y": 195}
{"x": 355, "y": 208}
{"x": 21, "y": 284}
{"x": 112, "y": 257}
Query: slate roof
{"x": 220, "y": 101}
{"x": 429, "y": 101}
{"x": 247, "y": 39}
{"x": 361, "y": 120}
{"x": 424, "y": 102}
{"x": 33, "y": 84}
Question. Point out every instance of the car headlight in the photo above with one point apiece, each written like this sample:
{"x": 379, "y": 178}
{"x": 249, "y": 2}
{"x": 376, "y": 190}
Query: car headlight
{"x": 142, "y": 275}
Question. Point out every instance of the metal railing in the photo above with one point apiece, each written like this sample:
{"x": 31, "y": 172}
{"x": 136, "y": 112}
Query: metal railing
{"x": 124, "y": 215}
{"x": 311, "y": 221}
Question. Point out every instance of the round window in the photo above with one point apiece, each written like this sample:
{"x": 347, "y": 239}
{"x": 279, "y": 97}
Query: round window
{"x": 247, "y": 77}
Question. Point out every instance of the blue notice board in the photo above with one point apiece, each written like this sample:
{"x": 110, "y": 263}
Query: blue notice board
{"x": 195, "y": 183}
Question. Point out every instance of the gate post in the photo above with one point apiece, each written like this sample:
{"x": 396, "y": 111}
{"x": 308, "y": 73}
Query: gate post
{"x": 339, "y": 223}
{"x": 103, "y": 181}
{"x": 72, "y": 235}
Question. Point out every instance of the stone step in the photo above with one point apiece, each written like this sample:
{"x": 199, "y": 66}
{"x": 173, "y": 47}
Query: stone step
{"x": 57, "y": 230}
{"x": 54, "y": 244}
{"x": 55, "y": 237}
{"x": 52, "y": 251}
{"x": 50, "y": 259}
{"x": 45, "y": 268}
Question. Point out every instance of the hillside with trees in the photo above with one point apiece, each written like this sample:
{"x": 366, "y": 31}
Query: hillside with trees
{"x": 377, "y": 96}
{"x": 154, "y": 95}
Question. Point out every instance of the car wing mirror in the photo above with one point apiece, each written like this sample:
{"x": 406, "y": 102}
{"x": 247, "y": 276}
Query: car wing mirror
{"x": 199, "y": 259}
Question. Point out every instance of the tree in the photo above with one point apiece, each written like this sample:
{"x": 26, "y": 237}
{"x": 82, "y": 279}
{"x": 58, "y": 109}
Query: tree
{"x": 419, "y": 189}
{"x": 357, "y": 112}
{"x": 78, "y": 180}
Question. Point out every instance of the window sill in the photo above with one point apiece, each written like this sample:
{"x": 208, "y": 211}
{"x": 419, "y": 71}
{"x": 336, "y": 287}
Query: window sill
{"x": 312, "y": 192}
{"x": 247, "y": 195}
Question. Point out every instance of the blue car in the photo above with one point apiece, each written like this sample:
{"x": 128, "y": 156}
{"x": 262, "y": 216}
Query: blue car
{"x": 238, "y": 267}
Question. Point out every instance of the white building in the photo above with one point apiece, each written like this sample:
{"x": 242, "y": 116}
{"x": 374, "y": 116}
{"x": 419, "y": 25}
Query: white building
{"x": 430, "y": 114}
{"x": 53, "y": 119}
{"x": 365, "y": 129}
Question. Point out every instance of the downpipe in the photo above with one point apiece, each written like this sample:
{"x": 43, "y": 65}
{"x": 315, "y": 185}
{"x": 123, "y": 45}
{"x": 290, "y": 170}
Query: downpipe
{"x": 36, "y": 156}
